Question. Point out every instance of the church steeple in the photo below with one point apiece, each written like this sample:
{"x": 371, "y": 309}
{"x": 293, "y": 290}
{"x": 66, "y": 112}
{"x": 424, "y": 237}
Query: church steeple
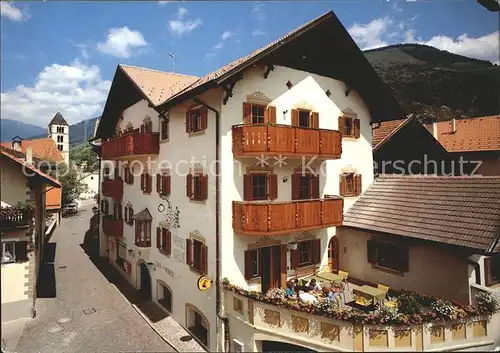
{"x": 59, "y": 132}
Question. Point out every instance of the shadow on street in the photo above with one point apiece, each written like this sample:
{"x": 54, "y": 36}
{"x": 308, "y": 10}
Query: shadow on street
{"x": 46, "y": 283}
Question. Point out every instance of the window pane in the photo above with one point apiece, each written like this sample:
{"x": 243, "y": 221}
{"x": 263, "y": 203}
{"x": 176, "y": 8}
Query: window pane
{"x": 259, "y": 187}
{"x": 257, "y": 114}
{"x": 387, "y": 256}
{"x": 304, "y": 249}
{"x": 304, "y": 193}
{"x": 348, "y": 126}
{"x": 8, "y": 252}
{"x": 255, "y": 262}
{"x": 303, "y": 118}
{"x": 349, "y": 178}
{"x": 197, "y": 186}
{"x": 196, "y": 119}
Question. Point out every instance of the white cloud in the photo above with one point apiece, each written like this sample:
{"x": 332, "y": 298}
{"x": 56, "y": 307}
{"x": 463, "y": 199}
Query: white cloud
{"x": 121, "y": 42}
{"x": 13, "y": 13}
{"x": 258, "y": 32}
{"x": 163, "y": 2}
{"x": 396, "y": 7}
{"x": 485, "y": 47}
{"x": 219, "y": 45}
{"x": 369, "y": 36}
{"x": 258, "y": 10}
{"x": 226, "y": 35}
{"x": 180, "y": 25}
{"x": 76, "y": 90}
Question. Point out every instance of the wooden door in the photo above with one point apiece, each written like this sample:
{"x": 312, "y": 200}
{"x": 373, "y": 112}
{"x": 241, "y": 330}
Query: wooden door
{"x": 333, "y": 254}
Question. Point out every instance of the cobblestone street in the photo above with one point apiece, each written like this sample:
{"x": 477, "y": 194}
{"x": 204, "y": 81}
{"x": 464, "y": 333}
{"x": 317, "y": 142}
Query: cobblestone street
{"x": 81, "y": 310}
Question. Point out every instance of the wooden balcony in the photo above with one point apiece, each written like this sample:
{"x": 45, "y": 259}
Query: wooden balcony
{"x": 112, "y": 227}
{"x": 13, "y": 218}
{"x": 272, "y": 218}
{"x": 113, "y": 189}
{"x": 131, "y": 145}
{"x": 285, "y": 140}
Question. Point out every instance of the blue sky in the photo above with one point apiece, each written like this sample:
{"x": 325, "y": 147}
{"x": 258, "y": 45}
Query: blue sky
{"x": 61, "y": 56}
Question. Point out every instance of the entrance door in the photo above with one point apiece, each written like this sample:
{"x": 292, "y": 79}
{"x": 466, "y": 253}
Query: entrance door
{"x": 145, "y": 282}
{"x": 333, "y": 254}
{"x": 270, "y": 265}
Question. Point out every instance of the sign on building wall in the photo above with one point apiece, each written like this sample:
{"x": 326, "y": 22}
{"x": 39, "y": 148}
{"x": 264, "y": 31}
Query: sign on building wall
{"x": 179, "y": 250}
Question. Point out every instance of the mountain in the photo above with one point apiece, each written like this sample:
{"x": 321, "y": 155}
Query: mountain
{"x": 432, "y": 82}
{"x": 12, "y": 128}
{"x": 79, "y": 132}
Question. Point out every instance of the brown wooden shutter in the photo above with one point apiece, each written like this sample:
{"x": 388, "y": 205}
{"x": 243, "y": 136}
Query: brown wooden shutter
{"x": 295, "y": 186}
{"x": 273, "y": 186}
{"x": 357, "y": 128}
{"x": 120, "y": 212}
{"x": 488, "y": 276}
{"x": 189, "y": 185}
{"x": 131, "y": 177}
{"x": 204, "y": 120}
{"x": 316, "y": 251}
{"x": 204, "y": 259}
{"x": 21, "y": 251}
{"x": 283, "y": 261}
{"x": 247, "y": 113}
{"x": 314, "y": 183}
{"x": 137, "y": 231}
{"x": 315, "y": 120}
{"x": 371, "y": 251}
{"x": 149, "y": 182}
{"x": 189, "y": 252}
{"x": 188, "y": 121}
{"x": 143, "y": 128}
{"x": 271, "y": 114}
{"x": 249, "y": 254}
{"x": 126, "y": 214}
{"x": 131, "y": 215}
{"x": 158, "y": 183}
{"x": 158, "y": 237}
{"x": 247, "y": 187}
{"x": 165, "y": 185}
{"x": 168, "y": 241}
{"x": 404, "y": 259}
{"x": 164, "y": 129}
{"x": 204, "y": 186}
{"x": 357, "y": 183}
{"x": 342, "y": 184}
{"x": 342, "y": 124}
{"x": 294, "y": 259}
{"x": 295, "y": 117}
{"x": 142, "y": 182}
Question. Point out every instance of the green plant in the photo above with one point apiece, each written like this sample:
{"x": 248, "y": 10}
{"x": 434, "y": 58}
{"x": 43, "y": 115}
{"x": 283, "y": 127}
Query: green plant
{"x": 487, "y": 303}
{"x": 408, "y": 303}
{"x": 445, "y": 309}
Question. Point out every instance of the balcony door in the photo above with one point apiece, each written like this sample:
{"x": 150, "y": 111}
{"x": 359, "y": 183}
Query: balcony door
{"x": 271, "y": 268}
{"x": 333, "y": 254}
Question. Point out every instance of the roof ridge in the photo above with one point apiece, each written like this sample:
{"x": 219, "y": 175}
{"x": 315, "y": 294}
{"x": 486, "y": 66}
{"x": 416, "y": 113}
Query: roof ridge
{"x": 434, "y": 176}
{"x": 155, "y": 70}
{"x": 495, "y": 116}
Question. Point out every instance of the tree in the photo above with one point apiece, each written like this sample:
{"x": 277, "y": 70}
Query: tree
{"x": 83, "y": 155}
{"x": 70, "y": 182}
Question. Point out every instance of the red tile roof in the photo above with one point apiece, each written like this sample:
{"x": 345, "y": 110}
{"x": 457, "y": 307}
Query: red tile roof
{"x": 44, "y": 149}
{"x": 463, "y": 211}
{"x": 385, "y": 130}
{"x": 471, "y": 135}
{"x": 21, "y": 161}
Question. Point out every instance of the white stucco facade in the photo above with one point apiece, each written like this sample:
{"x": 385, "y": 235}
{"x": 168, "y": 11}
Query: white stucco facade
{"x": 91, "y": 181}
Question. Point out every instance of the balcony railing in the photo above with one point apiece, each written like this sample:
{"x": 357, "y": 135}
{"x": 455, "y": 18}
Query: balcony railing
{"x": 271, "y": 218}
{"x": 113, "y": 189}
{"x": 112, "y": 227}
{"x": 11, "y": 218}
{"x": 286, "y": 140}
{"x": 132, "y": 144}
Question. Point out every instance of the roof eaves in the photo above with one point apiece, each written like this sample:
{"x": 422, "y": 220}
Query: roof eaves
{"x": 385, "y": 139}
{"x": 48, "y": 178}
{"x": 137, "y": 86}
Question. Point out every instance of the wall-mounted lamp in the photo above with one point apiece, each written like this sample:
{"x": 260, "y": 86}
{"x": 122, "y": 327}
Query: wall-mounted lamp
{"x": 285, "y": 179}
{"x": 151, "y": 266}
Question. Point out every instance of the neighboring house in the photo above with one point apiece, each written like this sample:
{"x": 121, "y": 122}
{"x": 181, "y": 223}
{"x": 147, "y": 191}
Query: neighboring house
{"x": 91, "y": 182}
{"x": 22, "y": 232}
{"x": 59, "y": 132}
{"x": 473, "y": 139}
{"x": 431, "y": 234}
{"x": 178, "y": 225}
{"x": 406, "y": 147}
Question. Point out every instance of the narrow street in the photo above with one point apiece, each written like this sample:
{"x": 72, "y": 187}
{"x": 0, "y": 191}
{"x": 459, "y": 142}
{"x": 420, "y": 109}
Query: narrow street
{"x": 80, "y": 310}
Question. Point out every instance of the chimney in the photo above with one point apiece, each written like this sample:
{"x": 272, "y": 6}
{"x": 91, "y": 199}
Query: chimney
{"x": 29, "y": 156}
{"x": 16, "y": 145}
{"x": 453, "y": 125}
{"x": 435, "y": 130}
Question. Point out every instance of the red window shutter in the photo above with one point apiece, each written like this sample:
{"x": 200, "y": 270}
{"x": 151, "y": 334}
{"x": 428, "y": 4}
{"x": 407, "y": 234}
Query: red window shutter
{"x": 488, "y": 276}
{"x": 164, "y": 129}
{"x": 295, "y": 186}
{"x": 294, "y": 259}
{"x": 357, "y": 128}
{"x": 342, "y": 124}
{"x": 167, "y": 184}
{"x": 150, "y": 182}
{"x": 273, "y": 186}
{"x": 164, "y": 239}
{"x": 315, "y": 120}
{"x": 189, "y": 185}
{"x": 143, "y": 128}
{"x": 247, "y": 187}
{"x": 168, "y": 241}
{"x": 272, "y": 114}
{"x": 342, "y": 184}
{"x": 357, "y": 183}
{"x": 188, "y": 121}
{"x": 316, "y": 251}
{"x": 189, "y": 252}
{"x": 314, "y": 183}
{"x": 204, "y": 120}
{"x": 158, "y": 237}
{"x": 158, "y": 183}
{"x": 204, "y": 259}
{"x": 142, "y": 182}
{"x": 283, "y": 258}
{"x": 371, "y": 251}
{"x": 204, "y": 186}
{"x": 249, "y": 257}
{"x": 247, "y": 113}
{"x": 131, "y": 176}
{"x": 120, "y": 214}
{"x": 131, "y": 215}
{"x": 295, "y": 117}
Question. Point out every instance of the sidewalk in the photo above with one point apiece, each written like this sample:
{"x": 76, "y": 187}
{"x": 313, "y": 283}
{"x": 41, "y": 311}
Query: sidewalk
{"x": 171, "y": 332}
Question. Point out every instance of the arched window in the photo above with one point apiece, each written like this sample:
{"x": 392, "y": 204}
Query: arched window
{"x": 164, "y": 296}
{"x": 197, "y": 324}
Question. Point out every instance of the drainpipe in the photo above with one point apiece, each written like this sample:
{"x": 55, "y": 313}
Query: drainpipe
{"x": 217, "y": 224}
